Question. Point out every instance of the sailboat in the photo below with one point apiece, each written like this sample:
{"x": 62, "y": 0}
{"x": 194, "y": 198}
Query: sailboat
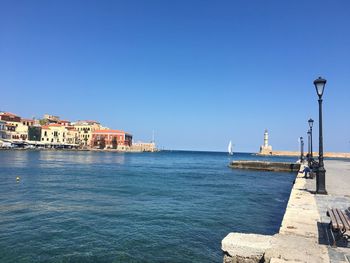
{"x": 230, "y": 148}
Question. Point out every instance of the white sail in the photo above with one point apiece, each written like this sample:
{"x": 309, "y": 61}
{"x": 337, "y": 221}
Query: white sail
{"x": 229, "y": 148}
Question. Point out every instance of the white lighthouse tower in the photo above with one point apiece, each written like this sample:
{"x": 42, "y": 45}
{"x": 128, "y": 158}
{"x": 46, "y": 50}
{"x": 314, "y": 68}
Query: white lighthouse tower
{"x": 266, "y": 149}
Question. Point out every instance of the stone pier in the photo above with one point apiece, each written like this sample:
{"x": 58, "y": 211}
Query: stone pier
{"x": 265, "y": 166}
{"x": 304, "y": 234}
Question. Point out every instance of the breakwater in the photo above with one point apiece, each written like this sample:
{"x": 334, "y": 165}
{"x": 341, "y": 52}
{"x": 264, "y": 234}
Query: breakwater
{"x": 315, "y": 154}
{"x": 265, "y": 166}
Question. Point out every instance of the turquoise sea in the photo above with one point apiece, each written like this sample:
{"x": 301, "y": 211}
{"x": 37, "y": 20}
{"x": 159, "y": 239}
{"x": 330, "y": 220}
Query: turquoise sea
{"x": 170, "y": 206}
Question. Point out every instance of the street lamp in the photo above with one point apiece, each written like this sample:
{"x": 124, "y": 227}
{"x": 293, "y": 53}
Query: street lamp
{"x": 321, "y": 172}
{"x": 311, "y": 123}
{"x": 301, "y": 150}
{"x": 309, "y": 147}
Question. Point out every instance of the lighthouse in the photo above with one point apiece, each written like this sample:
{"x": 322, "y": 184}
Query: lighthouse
{"x": 266, "y": 149}
{"x": 266, "y": 138}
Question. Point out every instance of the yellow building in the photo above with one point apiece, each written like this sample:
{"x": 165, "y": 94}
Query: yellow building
{"x": 85, "y": 129}
{"x": 72, "y": 135}
{"x": 54, "y": 134}
{"x": 16, "y": 131}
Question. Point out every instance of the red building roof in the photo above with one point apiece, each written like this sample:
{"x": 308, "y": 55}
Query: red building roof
{"x": 109, "y": 131}
{"x": 55, "y": 125}
{"x": 9, "y": 114}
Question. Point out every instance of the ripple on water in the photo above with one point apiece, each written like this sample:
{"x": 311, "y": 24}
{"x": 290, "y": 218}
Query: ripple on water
{"x": 110, "y": 207}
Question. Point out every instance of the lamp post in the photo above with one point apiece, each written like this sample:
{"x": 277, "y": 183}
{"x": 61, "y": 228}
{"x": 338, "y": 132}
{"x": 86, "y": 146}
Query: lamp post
{"x": 311, "y": 123}
{"x": 321, "y": 172}
{"x": 301, "y": 150}
{"x": 309, "y": 147}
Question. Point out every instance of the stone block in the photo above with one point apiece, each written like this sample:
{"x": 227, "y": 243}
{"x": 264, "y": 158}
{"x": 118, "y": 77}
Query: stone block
{"x": 247, "y": 248}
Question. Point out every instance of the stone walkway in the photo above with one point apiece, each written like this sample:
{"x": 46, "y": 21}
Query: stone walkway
{"x": 338, "y": 188}
{"x": 304, "y": 235}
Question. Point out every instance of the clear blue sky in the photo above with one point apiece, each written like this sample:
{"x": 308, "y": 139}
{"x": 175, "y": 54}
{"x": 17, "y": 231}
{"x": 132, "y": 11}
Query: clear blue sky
{"x": 199, "y": 73}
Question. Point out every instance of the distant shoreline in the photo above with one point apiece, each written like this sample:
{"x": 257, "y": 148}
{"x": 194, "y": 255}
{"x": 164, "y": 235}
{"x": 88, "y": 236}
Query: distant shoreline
{"x": 315, "y": 154}
{"x": 275, "y": 153}
{"x": 75, "y": 150}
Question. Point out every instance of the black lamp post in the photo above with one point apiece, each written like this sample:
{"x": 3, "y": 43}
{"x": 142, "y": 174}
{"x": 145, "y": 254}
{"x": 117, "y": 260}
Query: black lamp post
{"x": 321, "y": 172}
{"x": 301, "y": 150}
{"x": 311, "y": 123}
{"x": 309, "y": 147}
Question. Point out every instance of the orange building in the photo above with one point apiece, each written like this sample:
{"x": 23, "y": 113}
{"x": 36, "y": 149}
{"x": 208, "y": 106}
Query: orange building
{"x": 112, "y": 139}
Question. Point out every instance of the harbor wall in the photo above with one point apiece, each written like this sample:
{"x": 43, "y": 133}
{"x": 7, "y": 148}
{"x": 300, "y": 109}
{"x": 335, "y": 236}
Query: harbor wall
{"x": 296, "y": 241}
{"x": 315, "y": 154}
{"x": 266, "y": 166}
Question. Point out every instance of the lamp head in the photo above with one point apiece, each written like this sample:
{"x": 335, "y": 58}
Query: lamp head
{"x": 320, "y": 83}
{"x": 311, "y": 122}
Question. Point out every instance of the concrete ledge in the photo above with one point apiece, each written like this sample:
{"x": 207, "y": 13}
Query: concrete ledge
{"x": 297, "y": 240}
{"x": 266, "y": 166}
{"x": 239, "y": 247}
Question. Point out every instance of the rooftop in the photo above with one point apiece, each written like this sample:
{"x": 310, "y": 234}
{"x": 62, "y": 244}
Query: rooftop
{"x": 9, "y": 114}
{"x": 109, "y": 131}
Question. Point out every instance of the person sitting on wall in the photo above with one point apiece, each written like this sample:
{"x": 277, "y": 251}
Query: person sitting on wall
{"x": 306, "y": 172}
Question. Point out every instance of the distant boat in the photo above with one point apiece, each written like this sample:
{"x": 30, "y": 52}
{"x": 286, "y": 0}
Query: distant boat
{"x": 230, "y": 148}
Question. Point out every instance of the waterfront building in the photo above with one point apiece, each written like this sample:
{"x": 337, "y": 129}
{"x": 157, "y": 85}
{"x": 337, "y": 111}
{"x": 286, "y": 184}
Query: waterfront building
{"x": 53, "y": 134}
{"x": 144, "y": 147}
{"x": 266, "y": 149}
{"x": 85, "y": 130}
{"x": 72, "y": 135}
{"x": 111, "y": 139}
{"x": 22, "y": 131}
{"x": 34, "y": 133}
{"x": 2, "y": 129}
{"x": 16, "y": 131}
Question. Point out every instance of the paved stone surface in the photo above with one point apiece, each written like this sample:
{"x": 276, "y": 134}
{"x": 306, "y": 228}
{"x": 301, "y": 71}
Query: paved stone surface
{"x": 296, "y": 248}
{"x": 298, "y": 238}
{"x": 338, "y": 188}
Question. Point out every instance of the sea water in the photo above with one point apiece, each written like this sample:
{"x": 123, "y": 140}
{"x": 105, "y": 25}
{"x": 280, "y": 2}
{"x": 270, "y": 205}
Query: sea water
{"x": 170, "y": 206}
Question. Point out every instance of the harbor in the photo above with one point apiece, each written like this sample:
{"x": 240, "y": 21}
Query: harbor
{"x": 101, "y": 206}
{"x": 174, "y": 131}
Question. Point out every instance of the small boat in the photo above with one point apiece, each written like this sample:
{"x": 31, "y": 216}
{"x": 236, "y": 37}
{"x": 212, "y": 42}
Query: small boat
{"x": 230, "y": 148}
